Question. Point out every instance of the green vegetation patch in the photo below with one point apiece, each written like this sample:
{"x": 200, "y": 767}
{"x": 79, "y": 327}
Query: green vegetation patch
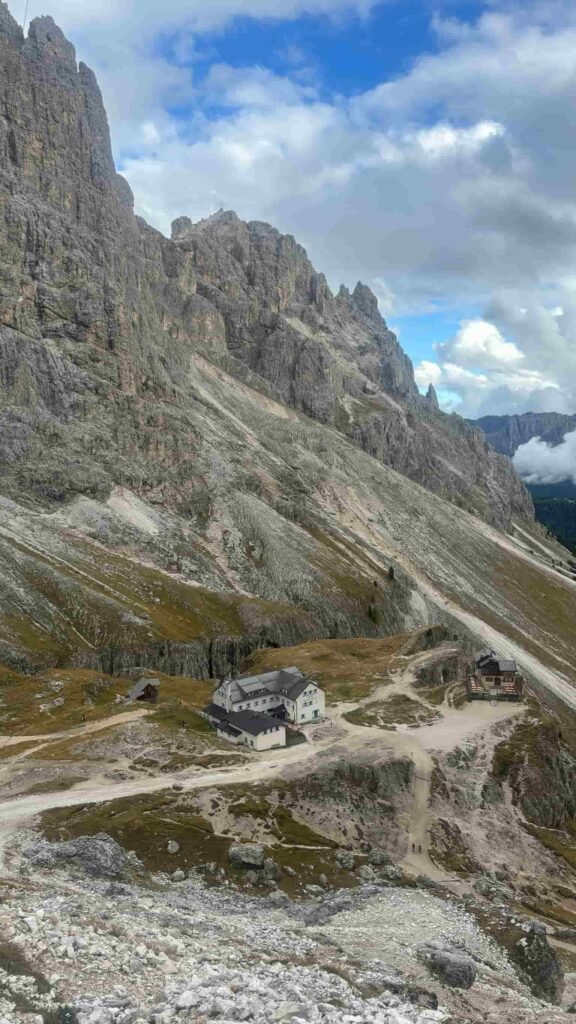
{"x": 147, "y": 823}
{"x": 144, "y": 824}
{"x": 553, "y": 912}
{"x": 556, "y": 841}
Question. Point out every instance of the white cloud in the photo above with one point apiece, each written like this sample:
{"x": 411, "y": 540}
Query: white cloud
{"x": 539, "y": 462}
{"x": 149, "y": 16}
{"x": 427, "y": 373}
{"x": 452, "y": 183}
{"x": 479, "y": 343}
{"x": 485, "y": 373}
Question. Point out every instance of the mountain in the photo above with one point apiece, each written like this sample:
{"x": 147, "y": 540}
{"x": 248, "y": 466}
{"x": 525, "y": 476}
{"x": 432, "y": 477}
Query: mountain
{"x": 507, "y": 433}
{"x": 211, "y": 463}
{"x": 203, "y": 449}
{"x": 114, "y": 315}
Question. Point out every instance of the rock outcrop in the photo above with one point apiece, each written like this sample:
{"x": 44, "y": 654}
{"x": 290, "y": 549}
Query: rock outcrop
{"x": 98, "y": 856}
{"x": 451, "y": 965}
{"x": 542, "y": 965}
{"x": 247, "y": 855}
{"x": 335, "y": 359}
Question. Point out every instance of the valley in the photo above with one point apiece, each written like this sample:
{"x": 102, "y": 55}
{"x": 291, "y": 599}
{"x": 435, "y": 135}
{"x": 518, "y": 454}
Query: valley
{"x": 355, "y": 807}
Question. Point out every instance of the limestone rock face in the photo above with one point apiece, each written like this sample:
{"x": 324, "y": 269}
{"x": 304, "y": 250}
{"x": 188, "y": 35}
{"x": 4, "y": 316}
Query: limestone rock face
{"x": 507, "y": 433}
{"x": 100, "y": 315}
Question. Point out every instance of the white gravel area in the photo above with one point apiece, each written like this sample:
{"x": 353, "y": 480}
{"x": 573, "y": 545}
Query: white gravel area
{"x": 391, "y": 926}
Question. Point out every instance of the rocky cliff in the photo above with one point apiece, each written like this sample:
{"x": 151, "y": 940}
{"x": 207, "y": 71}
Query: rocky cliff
{"x": 101, "y": 317}
{"x": 507, "y": 433}
{"x": 197, "y": 438}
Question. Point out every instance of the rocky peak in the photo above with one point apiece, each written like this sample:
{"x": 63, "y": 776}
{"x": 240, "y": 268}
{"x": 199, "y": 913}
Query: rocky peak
{"x": 365, "y": 301}
{"x": 54, "y": 131}
{"x": 9, "y": 27}
{"x": 181, "y": 227}
{"x": 432, "y": 397}
{"x": 47, "y": 44}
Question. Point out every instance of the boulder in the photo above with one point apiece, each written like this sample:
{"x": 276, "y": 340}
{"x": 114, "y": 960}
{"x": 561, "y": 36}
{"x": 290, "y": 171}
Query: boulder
{"x": 487, "y": 885}
{"x": 246, "y": 855}
{"x": 542, "y": 964}
{"x": 392, "y": 873}
{"x": 271, "y": 870}
{"x": 99, "y": 856}
{"x": 173, "y": 846}
{"x": 452, "y": 966}
{"x": 346, "y": 859}
{"x": 378, "y": 858}
{"x": 366, "y": 873}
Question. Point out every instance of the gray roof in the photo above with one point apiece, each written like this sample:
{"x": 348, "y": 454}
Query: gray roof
{"x": 214, "y": 711}
{"x": 484, "y": 654}
{"x": 296, "y": 688}
{"x": 248, "y": 721}
{"x": 228, "y": 729}
{"x": 269, "y": 682}
{"x": 289, "y": 681}
{"x": 507, "y": 665}
{"x": 502, "y": 664}
{"x": 234, "y": 690}
{"x": 139, "y": 687}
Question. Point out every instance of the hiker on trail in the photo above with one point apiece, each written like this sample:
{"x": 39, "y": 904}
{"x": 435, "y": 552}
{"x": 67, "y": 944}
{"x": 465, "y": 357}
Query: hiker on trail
{"x": 413, "y": 847}
{"x": 419, "y": 849}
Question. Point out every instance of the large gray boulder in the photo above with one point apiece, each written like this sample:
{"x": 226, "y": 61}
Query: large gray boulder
{"x": 246, "y": 855}
{"x": 99, "y": 856}
{"x": 451, "y": 965}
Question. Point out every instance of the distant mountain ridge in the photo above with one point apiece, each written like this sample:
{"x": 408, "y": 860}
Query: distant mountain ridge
{"x": 507, "y": 433}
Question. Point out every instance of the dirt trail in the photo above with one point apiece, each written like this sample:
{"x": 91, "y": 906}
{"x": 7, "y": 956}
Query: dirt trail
{"x": 76, "y": 732}
{"x": 262, "y": 768}
{"x": 490, "y": 637}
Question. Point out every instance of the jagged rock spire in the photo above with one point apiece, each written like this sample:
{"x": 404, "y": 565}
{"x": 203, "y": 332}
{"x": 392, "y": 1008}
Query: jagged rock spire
{"x": 432, "y": 397}
{"x": 9, "y": 27}
{"x": 365, "y": 300}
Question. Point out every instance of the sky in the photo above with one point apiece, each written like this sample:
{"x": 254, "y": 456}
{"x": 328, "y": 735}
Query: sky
{"x": 425, "y": 148}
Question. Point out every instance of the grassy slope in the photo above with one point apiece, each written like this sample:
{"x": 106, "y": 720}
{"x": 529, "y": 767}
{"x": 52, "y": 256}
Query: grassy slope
{"x": 88, "y": 697}
{"x": 146, "y": 824}
{"x": 347, "y": 669}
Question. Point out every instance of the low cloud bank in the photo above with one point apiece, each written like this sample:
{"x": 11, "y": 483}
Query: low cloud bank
{"x": 538, "y": 462}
